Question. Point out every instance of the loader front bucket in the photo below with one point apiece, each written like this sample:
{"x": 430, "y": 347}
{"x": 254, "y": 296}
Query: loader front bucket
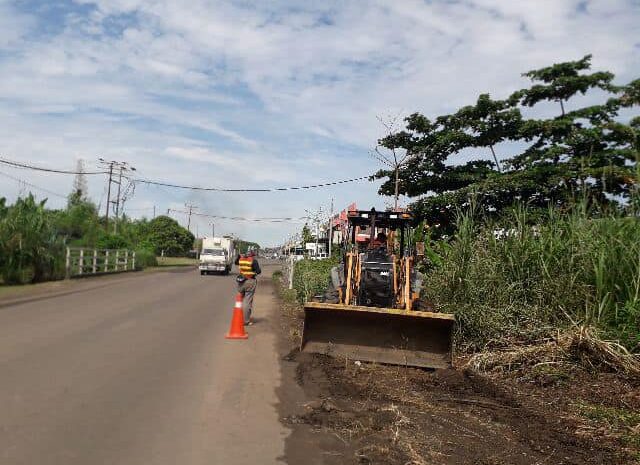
{"x": 383, "y": 335}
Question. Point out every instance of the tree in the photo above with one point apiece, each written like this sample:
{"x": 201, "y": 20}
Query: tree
{"x": 430, "y": 144}
{"x": 394, "y": 158}
{"x": 29, "y": 247}
{"x": 165, "y": 234}
{"x": 80, "y": 192}
{"x": 306, "y": 234}
{"x": 562, "y": 81}
{"x": 584, "y": 153}
{"x": 488, "y": 122}
{"x": 244, "y": 246}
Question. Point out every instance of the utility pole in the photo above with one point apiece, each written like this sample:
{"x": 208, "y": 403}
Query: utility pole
{"x": 109, "y": 194}
{"x": 317, "y": 218}
{"x": 213, "y": 230}
{"x": 331, "y": 228}
{"x": 117, "y": 202}
{"x": 190, "y": 207}
{"x": 122, "y": 166}
{"x": 154, "y": 211}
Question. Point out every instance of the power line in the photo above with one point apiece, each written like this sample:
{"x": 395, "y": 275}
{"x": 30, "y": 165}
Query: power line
{"x": 267, "y": 189}
{"x": 16, "y": 164}
{"x": 33, "y": 185}
{"x": 182, "y": 186}
{"x": 140, "y": 209}
{"x": 240, "y": 218}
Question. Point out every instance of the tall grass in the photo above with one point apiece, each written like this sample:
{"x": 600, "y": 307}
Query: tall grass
{"x": 311, "y": 277}
{"x": 570, "y": 269}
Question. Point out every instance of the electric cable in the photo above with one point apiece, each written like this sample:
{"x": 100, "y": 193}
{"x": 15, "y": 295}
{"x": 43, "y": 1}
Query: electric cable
{"x": 240, "y": 218}
{"x": 182, "y": 186}
{"x": 16, "y": 164}
{"x": 32, "y": 185}
{"x": 266, "y": 189}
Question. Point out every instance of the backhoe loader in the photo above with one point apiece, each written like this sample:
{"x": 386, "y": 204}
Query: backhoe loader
{"x": 372, "y": 311}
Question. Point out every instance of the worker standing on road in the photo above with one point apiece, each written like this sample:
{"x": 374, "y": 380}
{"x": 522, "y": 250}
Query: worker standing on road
{"x": 247, "y": 283}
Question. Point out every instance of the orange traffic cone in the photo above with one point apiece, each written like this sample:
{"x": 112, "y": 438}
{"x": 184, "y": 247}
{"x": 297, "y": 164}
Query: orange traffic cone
{"x": 237, "y": 321}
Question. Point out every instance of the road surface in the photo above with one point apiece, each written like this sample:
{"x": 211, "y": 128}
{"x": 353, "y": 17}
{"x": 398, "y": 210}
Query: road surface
{"x": 137, "y": 371}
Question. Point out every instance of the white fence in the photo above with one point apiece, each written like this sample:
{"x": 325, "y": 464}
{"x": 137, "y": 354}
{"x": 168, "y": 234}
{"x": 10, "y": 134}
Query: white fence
{"x": 81, "y": 261}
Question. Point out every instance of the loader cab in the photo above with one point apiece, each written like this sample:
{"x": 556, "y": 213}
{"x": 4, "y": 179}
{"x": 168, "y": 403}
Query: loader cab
{"x": 378, "y": 238}
{"x": 370, "y": 230}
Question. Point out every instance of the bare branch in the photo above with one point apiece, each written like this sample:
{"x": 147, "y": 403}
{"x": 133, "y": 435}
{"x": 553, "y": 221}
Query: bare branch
{"x": 382, "y": 158}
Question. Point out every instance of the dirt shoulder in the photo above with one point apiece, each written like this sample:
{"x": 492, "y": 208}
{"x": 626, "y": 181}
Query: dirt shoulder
{"x": 363, "y": 413}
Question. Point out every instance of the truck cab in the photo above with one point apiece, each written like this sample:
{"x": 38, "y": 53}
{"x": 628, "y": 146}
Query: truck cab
{"x": 217, "y": 255}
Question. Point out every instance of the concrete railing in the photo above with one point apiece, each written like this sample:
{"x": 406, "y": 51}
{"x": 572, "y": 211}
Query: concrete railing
{"x": 83, "y": 261}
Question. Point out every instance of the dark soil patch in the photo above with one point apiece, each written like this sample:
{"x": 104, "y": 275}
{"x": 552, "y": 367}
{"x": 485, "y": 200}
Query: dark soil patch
{"x": 395, "y": 415}
{"x": 359, "y": 413}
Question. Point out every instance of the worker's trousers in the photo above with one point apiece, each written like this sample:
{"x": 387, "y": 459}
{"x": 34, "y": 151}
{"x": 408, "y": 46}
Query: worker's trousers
{"x": 247, "y": 289}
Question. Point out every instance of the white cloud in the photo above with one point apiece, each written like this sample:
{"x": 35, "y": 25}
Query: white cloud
{"x": 275, "y": 92}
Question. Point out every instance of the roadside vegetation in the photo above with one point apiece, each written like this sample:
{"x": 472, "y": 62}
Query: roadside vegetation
{"x": 310, "y": 277}
{"x": 568, "y": 270}
{"x": 33, "y": 238}
{"x": 176, "y": 261}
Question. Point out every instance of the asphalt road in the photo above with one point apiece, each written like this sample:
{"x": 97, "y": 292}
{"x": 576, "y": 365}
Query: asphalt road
{"x": 137, "y": 371}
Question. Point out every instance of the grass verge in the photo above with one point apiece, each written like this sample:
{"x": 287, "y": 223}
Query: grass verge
{"x": 176, "y": 261}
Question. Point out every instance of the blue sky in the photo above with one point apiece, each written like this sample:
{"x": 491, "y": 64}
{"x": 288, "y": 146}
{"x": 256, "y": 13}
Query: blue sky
{"x": 266, "y": 93}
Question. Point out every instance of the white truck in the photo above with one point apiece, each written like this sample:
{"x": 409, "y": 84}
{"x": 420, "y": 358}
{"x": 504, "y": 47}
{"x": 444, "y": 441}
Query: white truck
{"x": 217, "y": 255}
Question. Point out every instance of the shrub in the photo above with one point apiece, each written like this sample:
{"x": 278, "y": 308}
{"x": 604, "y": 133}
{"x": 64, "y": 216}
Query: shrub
{"x": 145, "y": 258}
{"x": 112, "y": 242}
{"x": 312, "y": 277}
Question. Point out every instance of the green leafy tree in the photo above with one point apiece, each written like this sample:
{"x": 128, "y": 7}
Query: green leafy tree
{"x": 562, "y": 81}
{"x": 245, "y": 246}
{"x": 306, "y": 234}
{"x": 165, "y": 234}
{"x": 29, "y": 247}
{"x": 488, "y": 122}
{"x": 581, "y": 154}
